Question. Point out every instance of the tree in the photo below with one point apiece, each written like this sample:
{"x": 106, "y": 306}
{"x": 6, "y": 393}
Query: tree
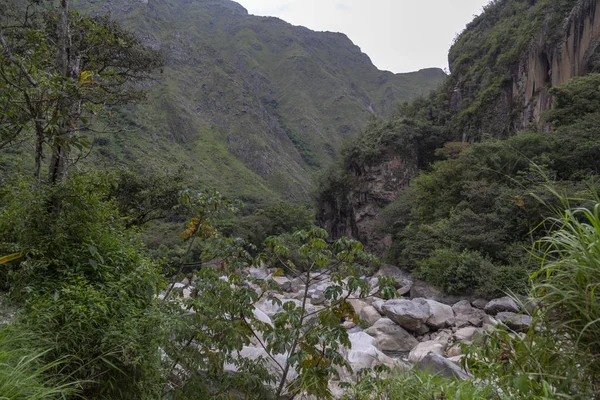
{"x": 59, "y": 69}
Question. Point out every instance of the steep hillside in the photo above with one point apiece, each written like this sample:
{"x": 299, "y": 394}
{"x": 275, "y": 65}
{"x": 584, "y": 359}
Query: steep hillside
{"x": 510, "y": 67}
{"x": 252, "y": 105}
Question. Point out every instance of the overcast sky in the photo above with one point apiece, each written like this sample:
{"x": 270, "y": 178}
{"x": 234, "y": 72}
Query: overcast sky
{"x": 398, "y": 35}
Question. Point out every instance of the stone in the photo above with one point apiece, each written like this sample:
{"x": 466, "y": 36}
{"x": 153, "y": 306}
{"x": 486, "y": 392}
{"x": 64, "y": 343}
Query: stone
{"x": 262, "y": 316}
{"x": 465, "y": 314}
{"x": 466, "y": 335}
{"x": 253, "y": 353}
{"x": 454, "y": 351}
{"x": 402, "y": 279}
{"x": 357, "y": 305}
{"x": 442, "y": 315}
{"x": 347, "y": 325}
{"x": 370, "y": 315}
{"x": 378, "y": 304}
{"x": 424, "y": 348}
{"x": 391, "y": 337}
{"x": 424, "y": 290}
{"x": 364, "y": 355}
{"x": 436, "y": 364}
{"x": 479, "y": 303}
{"x": 284, "y": 283}
{"x": 270, "y": 308}
{"x": 516, "y": 322}
{"x": 258, "y": 273}
{"x": 406, "y": 313}
{"x": 501, "y": 305}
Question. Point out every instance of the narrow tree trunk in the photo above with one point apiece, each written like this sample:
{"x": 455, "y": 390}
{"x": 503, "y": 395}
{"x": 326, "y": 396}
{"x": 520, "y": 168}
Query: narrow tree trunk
{"x": 60, "y": 145}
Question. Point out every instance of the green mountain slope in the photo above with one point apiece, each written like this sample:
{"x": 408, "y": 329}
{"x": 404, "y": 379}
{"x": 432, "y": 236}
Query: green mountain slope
{"x": 252, "y": 105}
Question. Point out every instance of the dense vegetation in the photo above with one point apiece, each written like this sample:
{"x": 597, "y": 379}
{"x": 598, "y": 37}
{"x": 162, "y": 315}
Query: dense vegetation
{"x": 101, "y": 315}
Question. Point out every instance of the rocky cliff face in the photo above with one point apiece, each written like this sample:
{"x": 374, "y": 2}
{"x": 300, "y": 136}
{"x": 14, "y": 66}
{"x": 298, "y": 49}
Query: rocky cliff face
{"x": 372, "y": 188}
{"x": 481, "y": 101}
{"x": 543, "y": 67}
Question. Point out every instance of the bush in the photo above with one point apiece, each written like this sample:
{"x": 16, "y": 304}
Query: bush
{"x": 85, "y": 287}
{"x": 456, "y": 272}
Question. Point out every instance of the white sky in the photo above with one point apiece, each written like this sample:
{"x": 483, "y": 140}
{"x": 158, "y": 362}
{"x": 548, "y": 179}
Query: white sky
{"x": 398, "y": 35}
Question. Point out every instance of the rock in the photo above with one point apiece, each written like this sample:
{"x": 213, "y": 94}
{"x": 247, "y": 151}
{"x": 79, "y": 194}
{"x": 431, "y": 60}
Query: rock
{"x": 444, "y": 337}
{"x": 363, "y": 353}
{"x": 466, "y": 315}
{"x": 284, "y": 283}
{"x": 378, "y": 304}
{"x": 501, "y": 305}
{"x": 422, "y": 330}
{"x": 262, "y": 316}
{"x": 516, "y": 322}
{"x": 424, "y": 290}
{"x": 347, "y": 325}
{"x": 298, "y": 286}
{"x": 270, "y": 308}
{"x": 357, "y": 305}
{"x": 258, "y": 273}
{"x": 424, "y": 348}
{"x": 456, "y": 359}
{"x": 466, "y": 335}
{"x": 253, "y": 353}
{"x": 406, "y": 313}
{"x": 454, "y": 351}
{"x": 402, "y": 279}
{"x": 391, "y": 337}
{"x": 370, "y": 315}
{"x": 317, "y": 293}
{"x": 437, "y": 364}
{"x": 479, "y": 303}
{"x": 442, "y": 315}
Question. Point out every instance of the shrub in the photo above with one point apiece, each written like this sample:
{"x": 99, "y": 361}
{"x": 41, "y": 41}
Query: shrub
{"x": 85, "y": 288}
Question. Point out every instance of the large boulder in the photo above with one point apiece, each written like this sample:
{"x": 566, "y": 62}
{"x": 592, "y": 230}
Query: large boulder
{"x": 364, "y": 355}
{"x": 467, "y": 334}
{"x": 466, "y": 314}
{"x": 406, "y": 313}
{"x": 391, "y": 337}
{"x": 258, "y": 273}
{"x": 501, "y": 305}
{"x": 273, "y": 366}
{"x": 378, "y": 304}
{"x": 441, "y": 316}
{"x": 370, "y": 315}
{"x": 436, "y": 364}
{"x": 421, "y": 289}
{"x": 284, "y": 283}
{"x": 357, "y": 305}
{"x": 424, "y": 348}
{"x": 516, "y": 322}
{"x": 402, "y": 280}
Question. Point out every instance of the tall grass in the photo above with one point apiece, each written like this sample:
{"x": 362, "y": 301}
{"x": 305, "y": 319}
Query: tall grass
{"x": 23, "y": 376}
{"x": 567, "y": 284}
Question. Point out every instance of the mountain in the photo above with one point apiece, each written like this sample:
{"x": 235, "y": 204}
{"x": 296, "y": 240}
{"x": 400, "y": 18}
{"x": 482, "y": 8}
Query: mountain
{"x": 251, "y": 105}
{"x": 510, "y": 68}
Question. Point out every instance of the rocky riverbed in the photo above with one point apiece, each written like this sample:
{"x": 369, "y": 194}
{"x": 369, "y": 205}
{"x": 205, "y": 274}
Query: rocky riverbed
{"x": 421, "y": 328}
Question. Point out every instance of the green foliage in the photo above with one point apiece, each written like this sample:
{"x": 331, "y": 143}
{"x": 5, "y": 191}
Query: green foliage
{"x": 479, "y": 201}
{"x": 85, "y": 287}
{"x": 567, "y": 282}
{"x": 146, "y": 197}
{"x": 23, "y": 374}
{"x": 574, "y": 99}
{"x": 456, "y": 272}
{"x": 262, "y": 110}
{"x": 414, "y": 385}
{"x": 271, "y": 220}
